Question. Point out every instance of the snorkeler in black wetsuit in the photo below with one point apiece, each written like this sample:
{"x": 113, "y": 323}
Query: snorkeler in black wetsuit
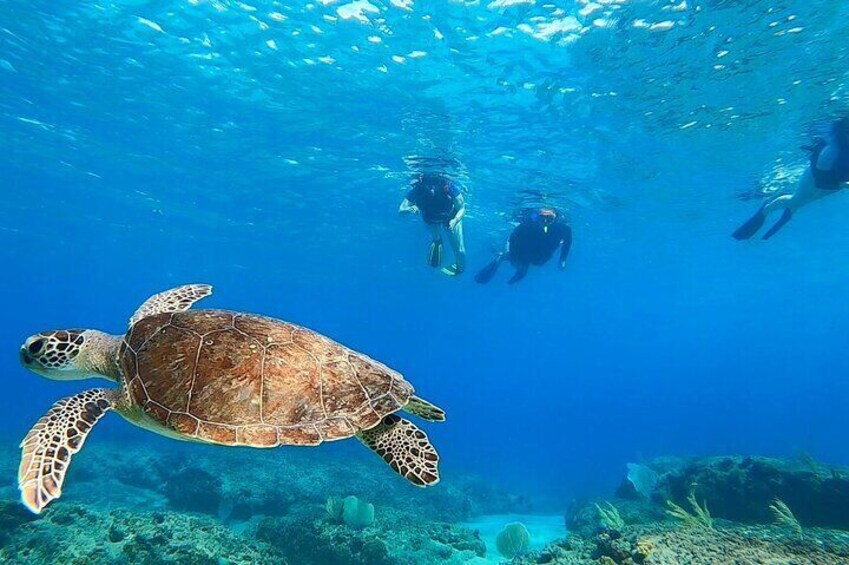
{"x": 533, "y": 242}
{"x": 827, "y": 173}
{"x": 442, "y": 206}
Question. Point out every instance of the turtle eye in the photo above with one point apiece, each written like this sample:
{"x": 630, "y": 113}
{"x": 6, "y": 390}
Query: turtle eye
{"x": 36, "y": 346}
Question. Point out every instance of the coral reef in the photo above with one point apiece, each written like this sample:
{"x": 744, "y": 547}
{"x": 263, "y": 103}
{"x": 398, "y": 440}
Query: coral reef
{"x": 150, "y": 503}
{"x": 675, "y": 526}
{"x": 76, "y": 535}
{"x": 583, "y": 517}
{"x": 660, "y": 544}
{"x": 394, "y": 539}
{"x": 165, "y": 502}
{"x": 194, "y": 490}
{"x": 12, "y": 516}
{"x": 318, "y": 542}
{"x": 742, "y": 489}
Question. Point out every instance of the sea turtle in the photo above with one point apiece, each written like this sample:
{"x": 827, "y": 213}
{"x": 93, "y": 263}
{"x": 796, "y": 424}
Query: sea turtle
{"x": 224, "y": 378}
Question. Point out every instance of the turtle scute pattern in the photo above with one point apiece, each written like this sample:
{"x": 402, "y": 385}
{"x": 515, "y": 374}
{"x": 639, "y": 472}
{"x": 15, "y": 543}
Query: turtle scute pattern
{"x": 241, "y": 379}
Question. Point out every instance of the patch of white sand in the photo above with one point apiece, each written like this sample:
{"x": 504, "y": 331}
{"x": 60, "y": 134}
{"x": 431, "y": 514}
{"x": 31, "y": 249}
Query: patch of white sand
{"x": 544, "y": 529}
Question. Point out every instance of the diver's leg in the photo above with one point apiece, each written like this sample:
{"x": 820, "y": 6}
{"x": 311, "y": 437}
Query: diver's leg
{"x": 487, "y": 273}
{"x": 806, "y": 192}
{"x": 521, "y": 271}
{"x": 435, "y": 232}
{"x": 434, "y": 253}
{"x": 756, "y": 222}
{"x": 777, "y": 203}
{"x": 458, "y": 245}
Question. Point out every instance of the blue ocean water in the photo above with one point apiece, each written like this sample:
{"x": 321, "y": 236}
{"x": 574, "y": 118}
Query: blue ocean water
{"x": 264, "y": 147}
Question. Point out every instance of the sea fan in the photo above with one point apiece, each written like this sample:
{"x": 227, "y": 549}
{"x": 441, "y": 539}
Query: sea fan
{"x": 700, "y": 517}
{"x": 785, "y": 517}
{"x": 610, "y": 517}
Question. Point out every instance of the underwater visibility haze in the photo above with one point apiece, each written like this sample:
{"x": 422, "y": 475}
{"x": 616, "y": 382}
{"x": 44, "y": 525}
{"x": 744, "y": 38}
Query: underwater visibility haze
{"x": 656, "y": 367}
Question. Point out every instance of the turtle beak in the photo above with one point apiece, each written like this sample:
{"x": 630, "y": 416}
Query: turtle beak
{"x": 26, "y": 360}
{"x": 31, "y": 348}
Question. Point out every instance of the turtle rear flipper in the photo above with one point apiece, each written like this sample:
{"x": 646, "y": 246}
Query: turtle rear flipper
{"x": 424, "y": 410}
{"x": 177, "y": 299}
{"x": 405, "y": 448}
{"x": 49, "y": 445}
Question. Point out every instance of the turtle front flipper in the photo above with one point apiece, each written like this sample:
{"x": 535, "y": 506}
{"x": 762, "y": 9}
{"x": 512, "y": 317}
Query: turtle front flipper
{"x": 424, "y": 410}
{"x": 175, "y": 300}
{"x": 49, "y": 445}
{"x": 405, "y": 448}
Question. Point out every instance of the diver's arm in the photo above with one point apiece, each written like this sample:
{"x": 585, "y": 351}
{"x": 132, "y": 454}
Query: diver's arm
{"x": 460, "y": 207}
{"x": 565, "y": 246}
{"x": 408, "y": 207}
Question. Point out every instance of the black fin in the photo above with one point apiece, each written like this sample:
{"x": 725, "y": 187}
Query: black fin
{"x": 785, "y": 217}
{"x": 751, "y": 226}
{"x": 485, "y": 275}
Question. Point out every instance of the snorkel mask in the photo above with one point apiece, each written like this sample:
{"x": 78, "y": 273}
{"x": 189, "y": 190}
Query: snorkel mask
{"x": 432, "y": 182}
{"x": 546, "y": 217}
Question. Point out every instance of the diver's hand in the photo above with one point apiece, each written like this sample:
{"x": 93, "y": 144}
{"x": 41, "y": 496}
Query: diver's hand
{"x": 410, "y": 210}
{"x": 452, "y": 223}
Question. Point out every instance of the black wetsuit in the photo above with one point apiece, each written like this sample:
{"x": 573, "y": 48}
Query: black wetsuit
{"x": 530, "y": 244}
{"x": 435, "y": 197}
{"x": 839, "y": 172}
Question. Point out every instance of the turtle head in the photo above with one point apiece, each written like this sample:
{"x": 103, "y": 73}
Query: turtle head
{"x": 67, "y": 355}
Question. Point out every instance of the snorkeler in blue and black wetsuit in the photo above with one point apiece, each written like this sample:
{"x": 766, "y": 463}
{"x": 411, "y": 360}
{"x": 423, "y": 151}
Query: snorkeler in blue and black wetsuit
{"x": 827, "y": 173}
{"x": 533, "y": 242}
{"x": 443, "y": 207}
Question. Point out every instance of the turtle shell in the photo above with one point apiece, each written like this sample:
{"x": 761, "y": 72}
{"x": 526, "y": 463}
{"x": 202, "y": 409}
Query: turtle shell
{"x": 240, "y": 379}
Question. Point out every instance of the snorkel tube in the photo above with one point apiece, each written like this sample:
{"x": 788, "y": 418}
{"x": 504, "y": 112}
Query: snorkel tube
{"x": 545, "y": 216}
